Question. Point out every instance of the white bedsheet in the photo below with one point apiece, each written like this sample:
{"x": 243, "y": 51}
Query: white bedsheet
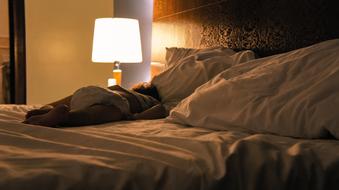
{"x": 158, "y": 155}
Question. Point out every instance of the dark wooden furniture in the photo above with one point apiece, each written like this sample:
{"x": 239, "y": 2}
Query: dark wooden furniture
{"x": 17, "y": 51}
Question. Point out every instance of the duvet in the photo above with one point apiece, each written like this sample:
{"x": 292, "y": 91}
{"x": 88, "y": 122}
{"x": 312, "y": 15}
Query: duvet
{"x": 158, "y": 155}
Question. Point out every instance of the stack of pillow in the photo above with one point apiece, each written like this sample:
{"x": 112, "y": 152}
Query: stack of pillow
{"x": 187, "y": 69}
{"x": 293, "y": 94}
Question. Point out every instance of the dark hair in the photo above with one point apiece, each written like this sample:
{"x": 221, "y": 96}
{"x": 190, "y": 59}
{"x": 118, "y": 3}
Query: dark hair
{"x": 147, "y": 89}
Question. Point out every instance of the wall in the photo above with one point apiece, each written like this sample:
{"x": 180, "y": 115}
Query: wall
{"x": 4, "y": 26}
{"x": 59, "y": 45}
{"x": 4, "y": 31}
{"x": 143, "y": 11}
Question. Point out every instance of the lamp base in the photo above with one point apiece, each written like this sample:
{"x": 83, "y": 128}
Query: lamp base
{"x": 117, "y": 73}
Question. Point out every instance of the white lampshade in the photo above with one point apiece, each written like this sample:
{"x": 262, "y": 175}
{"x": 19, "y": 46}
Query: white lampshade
{"x": 116, "y": 39}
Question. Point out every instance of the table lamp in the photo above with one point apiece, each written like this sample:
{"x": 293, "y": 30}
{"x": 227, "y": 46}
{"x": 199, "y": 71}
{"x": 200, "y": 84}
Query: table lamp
{"x": 116, "y": 40}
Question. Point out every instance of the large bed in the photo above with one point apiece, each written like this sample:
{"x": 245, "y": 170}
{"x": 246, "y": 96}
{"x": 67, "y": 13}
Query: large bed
{"x": 156, "y": 154}
{"x": 184, "y": 151}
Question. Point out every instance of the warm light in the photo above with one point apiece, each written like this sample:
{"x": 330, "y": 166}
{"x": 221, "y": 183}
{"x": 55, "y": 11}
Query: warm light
{"x": 116, "y": 39}
{"x": 156, "y": 68}
{"x": 111, "y": 82}
{"x": 117, "y": 76}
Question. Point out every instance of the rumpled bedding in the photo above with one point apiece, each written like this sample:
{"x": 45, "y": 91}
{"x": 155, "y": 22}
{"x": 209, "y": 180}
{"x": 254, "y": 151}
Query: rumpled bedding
{"x": 156, "y": 154}
{"x": 293, "y": 94}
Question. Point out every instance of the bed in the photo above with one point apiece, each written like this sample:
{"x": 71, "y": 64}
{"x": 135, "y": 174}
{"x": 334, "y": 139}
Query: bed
{"x": 167, "y": 154}
{"x": 156, "y": 154}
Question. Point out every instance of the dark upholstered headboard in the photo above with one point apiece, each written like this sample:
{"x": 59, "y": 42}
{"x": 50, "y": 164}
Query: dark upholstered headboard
{"x": 265, "y": 26}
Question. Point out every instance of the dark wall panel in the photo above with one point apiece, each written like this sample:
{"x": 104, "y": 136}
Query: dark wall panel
{"x": 141, "y": 10}
{"x": 266, "y": 26}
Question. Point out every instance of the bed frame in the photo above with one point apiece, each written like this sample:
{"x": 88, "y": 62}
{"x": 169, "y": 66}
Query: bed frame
{"x": 265, "y": 26}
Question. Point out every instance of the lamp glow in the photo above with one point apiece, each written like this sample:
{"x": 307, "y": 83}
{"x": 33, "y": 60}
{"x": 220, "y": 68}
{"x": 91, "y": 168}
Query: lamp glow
{"x": 116, "y": 40}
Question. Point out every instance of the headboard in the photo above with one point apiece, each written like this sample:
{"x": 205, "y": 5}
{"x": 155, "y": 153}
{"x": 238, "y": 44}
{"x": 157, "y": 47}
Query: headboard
{"x": 265, "y": 26}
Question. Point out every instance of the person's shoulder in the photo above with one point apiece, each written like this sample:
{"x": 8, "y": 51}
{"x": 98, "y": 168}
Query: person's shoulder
{"x": 116, "y": 87}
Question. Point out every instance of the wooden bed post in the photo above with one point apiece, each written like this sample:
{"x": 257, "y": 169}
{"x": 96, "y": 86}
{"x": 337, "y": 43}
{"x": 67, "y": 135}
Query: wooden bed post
{"x": 17, "y": 51}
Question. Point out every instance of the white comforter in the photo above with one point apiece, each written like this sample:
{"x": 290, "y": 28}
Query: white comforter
{"x": 158, "y": 155}
{"x": 292, "y": 94}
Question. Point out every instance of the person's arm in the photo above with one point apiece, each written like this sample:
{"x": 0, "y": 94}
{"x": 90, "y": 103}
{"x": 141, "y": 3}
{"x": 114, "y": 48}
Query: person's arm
{"x": 156, "y": 112}
{"x": 48, "y": 107}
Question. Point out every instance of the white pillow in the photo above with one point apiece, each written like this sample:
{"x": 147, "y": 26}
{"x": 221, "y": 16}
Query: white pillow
{"x": 180, "y": 80}
{"x": 293, "y": 94}
{"x": 175, "y": 54}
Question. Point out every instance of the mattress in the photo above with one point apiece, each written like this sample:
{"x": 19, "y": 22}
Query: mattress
{"x": 156, "y": 154}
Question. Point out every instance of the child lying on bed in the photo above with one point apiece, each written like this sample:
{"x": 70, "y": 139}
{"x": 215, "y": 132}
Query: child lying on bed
{"x": 95, "y": 105}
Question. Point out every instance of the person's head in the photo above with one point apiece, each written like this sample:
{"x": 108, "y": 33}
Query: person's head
{"x": 147, "y": 89}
